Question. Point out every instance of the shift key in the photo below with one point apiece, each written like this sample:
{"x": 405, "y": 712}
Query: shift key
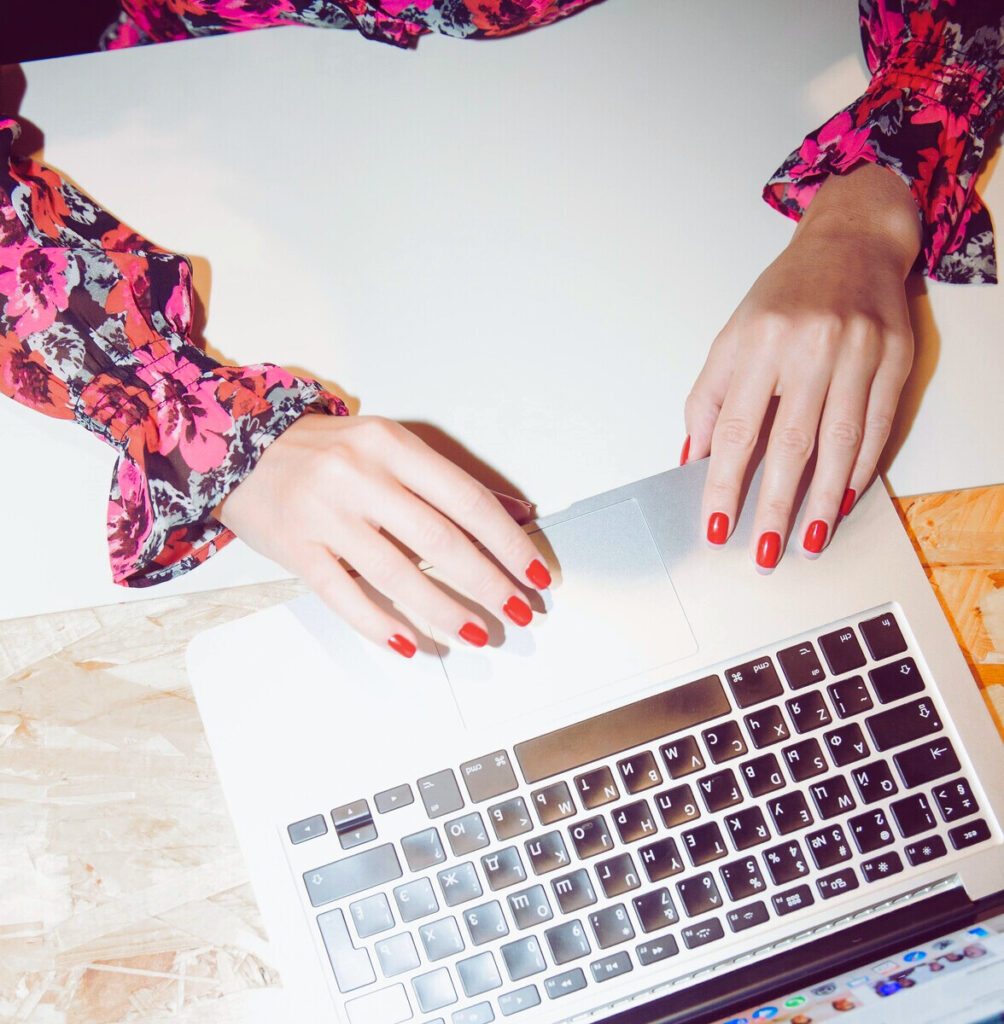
{"x": 353, "y": 874}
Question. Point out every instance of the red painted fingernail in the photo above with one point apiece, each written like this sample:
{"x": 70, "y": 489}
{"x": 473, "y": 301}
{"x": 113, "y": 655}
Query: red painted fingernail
{"x": 815, "y": 536}
{"x": 402, "y": 645}
{"x": 685, "y": 451}
{"x": 518, "y": 610}
{"x": 473, "y": 634}
{"x": 848, "y": 503}
{"x": 768, "y": 550}
{"x": 537, "y": 574}
{"x": 718, "y": 528}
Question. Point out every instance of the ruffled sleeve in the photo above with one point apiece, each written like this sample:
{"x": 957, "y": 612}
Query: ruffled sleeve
{"x": 95, "y": 326}
{"x": 935, "y": 98}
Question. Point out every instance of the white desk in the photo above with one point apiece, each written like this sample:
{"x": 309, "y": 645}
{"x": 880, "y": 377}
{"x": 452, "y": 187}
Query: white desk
{"x": 526, "y": 245}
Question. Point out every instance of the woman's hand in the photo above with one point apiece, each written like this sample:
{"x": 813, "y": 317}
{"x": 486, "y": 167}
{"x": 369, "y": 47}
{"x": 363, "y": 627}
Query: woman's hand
{"x": 335, "y": 488}
{"x": 826, "y": 328}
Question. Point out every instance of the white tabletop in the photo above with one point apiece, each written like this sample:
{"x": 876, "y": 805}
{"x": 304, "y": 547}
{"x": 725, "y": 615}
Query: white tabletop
{"x": 525, "y": 245}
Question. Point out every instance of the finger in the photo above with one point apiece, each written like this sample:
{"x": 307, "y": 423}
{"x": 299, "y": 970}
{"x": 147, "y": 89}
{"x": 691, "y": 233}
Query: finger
{"x": 704, "y": 403}
{"x": 326, "y": 576}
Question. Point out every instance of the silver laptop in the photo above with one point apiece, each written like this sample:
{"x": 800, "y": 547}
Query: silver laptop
{"x": 684, "y": 787}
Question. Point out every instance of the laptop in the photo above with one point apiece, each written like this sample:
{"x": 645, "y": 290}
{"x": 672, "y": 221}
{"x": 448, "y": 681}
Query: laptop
{"x": 685, "y": 789}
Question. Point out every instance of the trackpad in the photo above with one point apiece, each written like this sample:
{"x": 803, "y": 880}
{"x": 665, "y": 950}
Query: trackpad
{"x": 612, "y": 614}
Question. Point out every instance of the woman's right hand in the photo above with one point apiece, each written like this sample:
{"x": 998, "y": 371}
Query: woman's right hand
{"x": 342, "y": 489}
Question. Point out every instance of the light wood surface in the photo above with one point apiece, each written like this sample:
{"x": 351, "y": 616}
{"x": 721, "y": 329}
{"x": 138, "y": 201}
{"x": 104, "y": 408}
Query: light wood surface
{"x": 123, "y": 896}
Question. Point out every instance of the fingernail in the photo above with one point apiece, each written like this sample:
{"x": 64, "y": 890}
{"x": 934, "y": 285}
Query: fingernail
{"x": 402, "y": 645}
{"x": 815, "y": 536}
{"x": 685, "y": 451}
{"x": 848, "y": 503}
{"x": 473, "y": 634}
{"x": 768, "y": 550}
{"x": 718, "y": 528}
{"x": 518, "y": 610}
{"x": 537, "y": 574}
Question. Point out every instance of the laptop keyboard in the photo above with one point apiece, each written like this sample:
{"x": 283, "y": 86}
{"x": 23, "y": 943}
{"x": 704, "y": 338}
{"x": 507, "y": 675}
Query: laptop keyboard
{"x": 783, "y": 781}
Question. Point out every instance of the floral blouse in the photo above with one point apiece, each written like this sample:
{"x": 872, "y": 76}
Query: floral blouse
{"x": 96, "y": 321}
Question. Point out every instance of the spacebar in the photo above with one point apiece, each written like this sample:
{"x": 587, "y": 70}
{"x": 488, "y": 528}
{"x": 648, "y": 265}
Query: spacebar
{"x": 673, "y": 710}
{"x": 353, "y": 874}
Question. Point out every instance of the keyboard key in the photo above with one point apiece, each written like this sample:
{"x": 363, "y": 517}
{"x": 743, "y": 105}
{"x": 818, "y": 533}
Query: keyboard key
{"x": 479, "y": 1013}
{"x": 913, "y": 815}
{"x": 661, "y": 859}
{"x": 804, "y": 760}
{"x": 391, "y": 799}
{"x": 682, "y": 757}
{"x": 897, "y": 679}
{"x": 523, "y": 958}
{"x": 883, "y": 637}
{"x": 828, "y": 846}
{"x": 355, "y": 873}
{"x": 846, "y": 744}
{"x": 397, "y": 954}
{"x": 634, "y": 821}
{"x": 767, "y": 726}
{"x": 547, "y": 853}
{"x": 573, "y": 891}
{"x": 785, "y": 862}
{"x": 748, "y": 916}
{"x": 352, "y": 967}
{"x": 386, "y": 1006}
{"x": 970, "y": 834}
{"x": 791, "y": 900}
{"x": 353, "y": 824}
{"x": 530, "y": 906}
{"x": 925, "y": 850}
{"x": 371, "y": 915}
{"x": 742, "y": 878}
{"x": 870, "y": 831}
{"x": 800, "y": 665}
{"x": 503, "y": 868}
{"x": 850, "y": 696}
{"x": 724, "y": 741}
{"x": 434, "y": 990}
{"x": 955, "y": 800}
{"x": 704, "y": 843}
{"x": 903, "y": 723}
{"x": 655, "y": 910}
{"x": 699, "y": 894}
{"x": 440, "y": 793}
{"x": 441, "y": 938}
{"x": 617, "y": 875}
{"x": 658, "y": 949}
{"x": 518, "y": 1001}
{"x": 478, "y": 974}
{"x": 839, "y": 882}
{"x": 590, "y": 837}
{"x": 832, "y": 797}
{"x": 596, "y": 788}
{"x": 510, "y": 818}
{"x": 466, "y": 834}
{"x": 809, "y": 711}
{"x": 567, "y": 941}
{"x": 790, "y": 812}
{"x": 927, "y": 762}
{"x": 874, "y": 781}
{"x": 564, "y": 984}
{"x": 677, "y": 805}
{"x": 415, "y": 900}
{"x": 488, "y": 776}
{"x": 423, "y": 849}
{"x": 553, "y": 803}
{"x": 878, "y": 868}
{"x": 701, "y": 934}
{"x": 719, "y": 790}
{"x": 747, "y": 828}
{"x": 612, "y": 966}
{"x": 309, "y": 828}
{"x": 485, "y": 923}
{"x": 639, "y": 772}
{"x": 842, "y": 651}
{"x": 753, "y": 682}
{"x": 459, "y": 884}
{"x": 611, "y": 925}
{"x": 762, "y": 775}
